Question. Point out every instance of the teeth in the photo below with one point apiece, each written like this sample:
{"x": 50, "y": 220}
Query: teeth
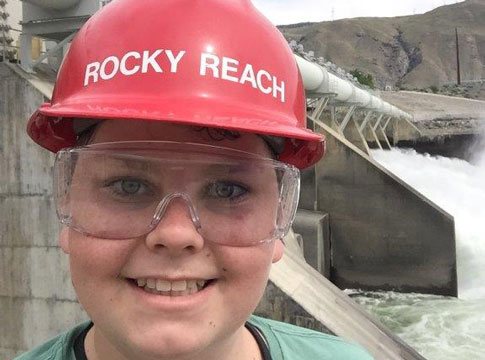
{"x": 179, "y": 285}
{"x": 151, "y": 283}
{"x": 174, "y": 288}
{"x": 163, "y": 285}
{"x": 192, "y": 284}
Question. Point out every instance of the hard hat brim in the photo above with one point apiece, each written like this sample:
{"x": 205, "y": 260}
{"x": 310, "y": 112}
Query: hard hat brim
{"x": 46, "y": 128}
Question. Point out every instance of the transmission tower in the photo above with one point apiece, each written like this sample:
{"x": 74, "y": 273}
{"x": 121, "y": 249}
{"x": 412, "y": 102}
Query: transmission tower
{"x": 6, "y": 53}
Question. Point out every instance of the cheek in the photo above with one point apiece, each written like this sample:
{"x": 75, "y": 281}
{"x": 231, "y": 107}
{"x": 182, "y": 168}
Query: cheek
{"x": 246, "y": 271}
{"x": 94, "y": 262}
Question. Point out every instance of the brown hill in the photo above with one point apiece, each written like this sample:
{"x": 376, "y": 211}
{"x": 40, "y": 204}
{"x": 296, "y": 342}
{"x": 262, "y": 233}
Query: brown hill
{"x": 409, "y": 51}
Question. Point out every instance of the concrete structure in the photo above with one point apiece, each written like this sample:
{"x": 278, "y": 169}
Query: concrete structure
{"x": 384, "y": 235}
{"x": 427, "y": 107}
{"x": 56, "y": 21}
{"x": 442, "y": 125}
{"x": 314, "y": 229}
{"x": 36, "y": 297}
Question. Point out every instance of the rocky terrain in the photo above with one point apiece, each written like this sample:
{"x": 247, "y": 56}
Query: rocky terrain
{"x": 410, "y": 52}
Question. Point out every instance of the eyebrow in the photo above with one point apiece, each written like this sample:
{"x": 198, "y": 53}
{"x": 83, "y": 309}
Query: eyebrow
{"x": 227, "y": 169}
{"x": 124, "y": 164}
{"x": 160, "y": 166}
{"x": 130, "y": 163}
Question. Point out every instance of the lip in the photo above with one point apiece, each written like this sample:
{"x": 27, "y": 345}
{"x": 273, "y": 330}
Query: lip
{"x": 186, "y": 303}
{"x": 171, "y": 278}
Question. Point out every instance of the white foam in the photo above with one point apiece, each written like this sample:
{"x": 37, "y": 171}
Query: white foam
{"x": 439, "y": 328}
{"x": 459, "y": 188}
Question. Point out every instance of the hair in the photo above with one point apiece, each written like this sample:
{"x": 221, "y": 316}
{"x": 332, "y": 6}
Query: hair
{"x": 85, "y": 136}
{"x": 218, "y": 134}
{"x": 274, "y": 143}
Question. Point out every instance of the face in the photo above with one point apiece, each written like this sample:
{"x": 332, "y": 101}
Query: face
{"x": 135, "y": 323}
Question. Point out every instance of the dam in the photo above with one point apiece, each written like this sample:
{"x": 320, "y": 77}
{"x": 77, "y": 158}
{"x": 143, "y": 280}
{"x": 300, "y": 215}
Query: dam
{"x": 359, "y": 225}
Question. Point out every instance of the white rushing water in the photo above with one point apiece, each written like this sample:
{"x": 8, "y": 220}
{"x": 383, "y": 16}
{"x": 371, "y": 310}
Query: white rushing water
{"x": 458, "y": 187}
{"x": 442, "y": 328}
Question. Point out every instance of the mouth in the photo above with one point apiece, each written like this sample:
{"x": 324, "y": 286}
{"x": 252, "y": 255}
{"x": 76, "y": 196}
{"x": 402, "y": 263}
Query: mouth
{"x": 164, "y": 287}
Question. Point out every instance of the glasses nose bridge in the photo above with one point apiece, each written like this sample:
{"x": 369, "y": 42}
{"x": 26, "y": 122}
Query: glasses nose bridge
{"x": 165, "y": 202}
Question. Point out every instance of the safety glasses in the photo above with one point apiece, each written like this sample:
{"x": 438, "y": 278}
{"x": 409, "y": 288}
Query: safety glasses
{"x": 123, "y": 190}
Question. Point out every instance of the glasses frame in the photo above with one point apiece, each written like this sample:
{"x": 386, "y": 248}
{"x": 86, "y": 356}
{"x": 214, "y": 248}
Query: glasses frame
{"x": 292, "y": 180}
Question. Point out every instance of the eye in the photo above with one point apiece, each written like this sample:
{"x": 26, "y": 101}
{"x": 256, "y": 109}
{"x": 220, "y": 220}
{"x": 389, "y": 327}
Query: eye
{"x": 128, "y": 187}
{"x": 226, "y": 190}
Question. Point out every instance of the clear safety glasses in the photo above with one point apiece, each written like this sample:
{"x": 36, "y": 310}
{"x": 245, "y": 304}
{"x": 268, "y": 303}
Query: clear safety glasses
{"x": 123, "y": 190}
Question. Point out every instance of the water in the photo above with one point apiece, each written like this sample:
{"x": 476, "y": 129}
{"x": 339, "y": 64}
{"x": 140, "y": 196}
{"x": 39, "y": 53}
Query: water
{"x": 438, "y": 327}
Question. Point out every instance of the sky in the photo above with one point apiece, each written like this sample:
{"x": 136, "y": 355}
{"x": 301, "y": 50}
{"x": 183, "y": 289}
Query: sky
{"x": 282, "y": 12}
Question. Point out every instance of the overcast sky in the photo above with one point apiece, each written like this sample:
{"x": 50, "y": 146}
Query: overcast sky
{"x": 282, "y": 12}
{"x": 293, "y": 11}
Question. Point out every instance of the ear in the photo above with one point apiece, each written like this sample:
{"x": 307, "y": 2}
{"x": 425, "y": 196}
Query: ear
{"x": 64, "y": 239}
{"x": 278, "y": 251}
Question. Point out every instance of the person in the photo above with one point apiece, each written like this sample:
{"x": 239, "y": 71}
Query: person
{"x": 179, "y": 128}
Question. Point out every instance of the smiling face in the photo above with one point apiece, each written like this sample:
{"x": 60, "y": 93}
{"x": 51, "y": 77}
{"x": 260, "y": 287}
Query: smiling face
{"x": 214, "y": 287}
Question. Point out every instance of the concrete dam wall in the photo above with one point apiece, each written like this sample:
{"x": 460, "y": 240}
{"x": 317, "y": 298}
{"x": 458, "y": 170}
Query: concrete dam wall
{"x": 383, "y": 233}
{"x": 36, "y": 296}
{"x": 37, "y": 300}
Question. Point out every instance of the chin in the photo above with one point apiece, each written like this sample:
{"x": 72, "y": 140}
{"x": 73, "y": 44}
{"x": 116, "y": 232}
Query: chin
{"x": 167, "y": 342}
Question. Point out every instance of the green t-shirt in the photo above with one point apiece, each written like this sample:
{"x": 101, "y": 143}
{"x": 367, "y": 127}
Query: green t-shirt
{"x": 290, "y": 342}
{"x": 286, "y": 342}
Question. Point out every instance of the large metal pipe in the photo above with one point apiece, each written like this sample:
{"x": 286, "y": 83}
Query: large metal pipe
{"x": 342, "y": 89}
{"x": 361, "y": 97}
{"x": 312, "y": 74}
{"x": 375, "y": 104}
{"x": 54, "y": 4}
{"x": 395, "y": 112}
{"x": 386, "y": 108}
{"x": 319, "y": 82}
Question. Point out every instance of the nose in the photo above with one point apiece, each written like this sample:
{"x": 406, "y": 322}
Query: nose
{"x": 176, "y": 227}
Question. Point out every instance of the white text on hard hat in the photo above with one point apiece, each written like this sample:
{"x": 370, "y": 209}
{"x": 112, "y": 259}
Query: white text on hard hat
{"x": 224, "y": 68}
{"x": 112, "y": 65}
{"x": 262, "y": 80}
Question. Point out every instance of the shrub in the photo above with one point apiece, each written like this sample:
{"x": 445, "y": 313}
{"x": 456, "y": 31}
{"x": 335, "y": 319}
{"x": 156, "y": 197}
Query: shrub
{"x": 363, "y": 78}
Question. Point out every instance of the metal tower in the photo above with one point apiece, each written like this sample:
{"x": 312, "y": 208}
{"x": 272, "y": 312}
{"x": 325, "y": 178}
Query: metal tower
{"x": 6, "y": 52}
{"x": 56, "y": 22}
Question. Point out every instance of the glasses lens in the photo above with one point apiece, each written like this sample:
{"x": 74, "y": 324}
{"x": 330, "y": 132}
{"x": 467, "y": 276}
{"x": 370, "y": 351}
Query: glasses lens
{"x": 121, "y": 191}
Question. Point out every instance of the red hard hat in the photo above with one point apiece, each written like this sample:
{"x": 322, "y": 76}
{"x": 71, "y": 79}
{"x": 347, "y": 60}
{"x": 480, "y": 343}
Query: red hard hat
{"x": 214, "y": 63}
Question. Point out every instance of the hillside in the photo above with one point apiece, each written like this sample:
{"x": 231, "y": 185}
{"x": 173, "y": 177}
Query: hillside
{"x": 408, "y": 52}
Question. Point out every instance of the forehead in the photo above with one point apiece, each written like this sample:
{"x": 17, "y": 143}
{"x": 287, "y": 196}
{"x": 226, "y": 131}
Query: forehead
{"x": 136, "y": 130}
